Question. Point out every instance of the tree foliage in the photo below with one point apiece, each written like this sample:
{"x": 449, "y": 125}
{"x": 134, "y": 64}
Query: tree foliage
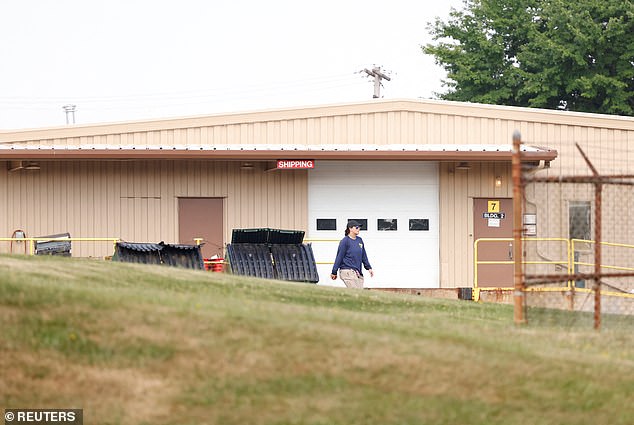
{"x": 577, "y": 55}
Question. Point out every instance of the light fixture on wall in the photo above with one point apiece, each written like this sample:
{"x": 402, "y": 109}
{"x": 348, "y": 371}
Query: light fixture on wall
{"x": 31, "y": 165}
{"x": 14, "y": 165}
{"x": 247, "y": 166}
{"x": 498, "y": 181}
{"x": 22, "y": 165}
{"x": 463, "y": 166}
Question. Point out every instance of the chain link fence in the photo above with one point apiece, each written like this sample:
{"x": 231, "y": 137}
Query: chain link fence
{"x": 579, "y": 269}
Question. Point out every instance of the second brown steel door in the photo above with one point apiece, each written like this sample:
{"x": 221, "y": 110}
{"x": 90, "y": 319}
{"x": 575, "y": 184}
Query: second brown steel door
{"x": 202, "y": 218}
{"x": 493, "y": 218}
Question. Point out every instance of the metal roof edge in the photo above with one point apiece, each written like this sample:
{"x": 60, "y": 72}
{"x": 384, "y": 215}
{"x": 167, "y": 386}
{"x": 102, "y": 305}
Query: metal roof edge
{"x": 511, "y": 113}
{"x": 449, "y": 154}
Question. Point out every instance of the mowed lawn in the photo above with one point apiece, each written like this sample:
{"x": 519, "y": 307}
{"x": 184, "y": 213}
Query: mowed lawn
{"x": 133, "y": 344}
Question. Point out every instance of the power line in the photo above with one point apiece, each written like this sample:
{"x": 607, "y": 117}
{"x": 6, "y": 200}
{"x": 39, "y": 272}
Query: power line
{"x": 194, "y": 102}
{"x": 187, "y": 94}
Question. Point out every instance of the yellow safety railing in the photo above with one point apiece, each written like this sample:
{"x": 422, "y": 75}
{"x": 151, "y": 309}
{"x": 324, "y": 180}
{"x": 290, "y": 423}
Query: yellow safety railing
{"x": 575, "y": 263}
{"x": 31, "y": 241}
{"x": 571, "y": 263}
{"x": 476, "y": 288}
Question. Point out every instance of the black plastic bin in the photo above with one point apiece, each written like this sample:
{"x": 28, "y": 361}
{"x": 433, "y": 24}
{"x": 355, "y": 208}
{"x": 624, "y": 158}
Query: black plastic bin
{"x": 179, "y": 255}
{"x": 53, "y": 247}
{"x": 254, "y": 236}
{"x": 272, "y": 254}
{"x": 249, "y": 259}
{"x": 143, "y": 253}
{"x": 175, "y": 255}
{"x": 266, "y": 235}
{"x": 278, "y": 236}
{"x": 295, "y": 262}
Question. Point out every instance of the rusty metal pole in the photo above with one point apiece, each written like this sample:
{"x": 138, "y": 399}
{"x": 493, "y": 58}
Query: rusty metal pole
{"x": 598, "y": 189}
{"x": 518, "y": 296}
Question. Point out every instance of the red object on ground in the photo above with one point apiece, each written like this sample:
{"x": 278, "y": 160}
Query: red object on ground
{"x": 218, "y": 265}
{"x": 214, "y": 264}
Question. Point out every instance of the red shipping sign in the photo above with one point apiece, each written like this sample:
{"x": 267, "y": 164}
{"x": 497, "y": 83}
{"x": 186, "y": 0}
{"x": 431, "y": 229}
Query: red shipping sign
{"x": 286, "y": 164}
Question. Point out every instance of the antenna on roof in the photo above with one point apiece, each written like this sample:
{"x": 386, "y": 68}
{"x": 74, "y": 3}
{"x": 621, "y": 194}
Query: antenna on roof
{"x": 69, "y": 109}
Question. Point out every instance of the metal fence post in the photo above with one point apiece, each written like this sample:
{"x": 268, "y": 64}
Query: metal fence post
{"x": 518, "y": 295}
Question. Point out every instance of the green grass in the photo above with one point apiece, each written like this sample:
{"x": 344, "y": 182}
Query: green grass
{"x": 135, "y": 344}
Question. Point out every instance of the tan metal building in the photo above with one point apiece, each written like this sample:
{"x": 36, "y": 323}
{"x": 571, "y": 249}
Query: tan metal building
{"x": 176, "y": 179}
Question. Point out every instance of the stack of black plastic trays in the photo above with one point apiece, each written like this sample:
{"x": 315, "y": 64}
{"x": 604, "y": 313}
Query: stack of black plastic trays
{"x": 175, "y": 255}
{"x": 181, "y": 255}
{"x": 273, "y": 254}
{"x": 133, "y": 252}
{"x": 250, "y": 259}
{"x": 295, "y": 262}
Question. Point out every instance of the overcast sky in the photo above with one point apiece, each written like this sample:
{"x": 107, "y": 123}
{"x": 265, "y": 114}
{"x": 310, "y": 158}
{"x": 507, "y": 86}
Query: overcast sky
{"x": 121, "y": 60}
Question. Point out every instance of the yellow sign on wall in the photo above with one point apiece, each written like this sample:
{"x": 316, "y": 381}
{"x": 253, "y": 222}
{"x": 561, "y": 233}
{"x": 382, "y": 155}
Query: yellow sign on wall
{"x": 493, "y": 206}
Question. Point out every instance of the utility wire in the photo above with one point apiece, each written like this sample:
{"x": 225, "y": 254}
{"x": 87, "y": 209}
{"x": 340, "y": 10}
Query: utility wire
{"x": 343, "y": 80}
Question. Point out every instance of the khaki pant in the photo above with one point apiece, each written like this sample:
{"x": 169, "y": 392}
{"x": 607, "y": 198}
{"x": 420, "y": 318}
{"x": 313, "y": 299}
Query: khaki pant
{"x": 351, "y": 278}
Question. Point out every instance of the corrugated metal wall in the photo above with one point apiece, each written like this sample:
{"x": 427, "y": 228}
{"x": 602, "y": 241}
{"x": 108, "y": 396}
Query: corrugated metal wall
{"x": 607, "y": 148}
{"x": 377, "y": 122}
{"x": 457, "y": 190}
{"x": 135, "y": 189}
{"x": 137, "y": 200}
{"x": 380, "y": 128}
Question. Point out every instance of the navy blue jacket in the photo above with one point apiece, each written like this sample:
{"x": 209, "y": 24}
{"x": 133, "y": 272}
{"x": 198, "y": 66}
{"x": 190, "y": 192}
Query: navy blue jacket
{"x": 350, "y": 255}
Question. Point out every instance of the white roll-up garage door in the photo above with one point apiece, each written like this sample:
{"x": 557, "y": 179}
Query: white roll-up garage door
{"x": 398, "y": 203}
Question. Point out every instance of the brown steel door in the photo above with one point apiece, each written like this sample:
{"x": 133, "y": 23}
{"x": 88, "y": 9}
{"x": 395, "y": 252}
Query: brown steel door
{"x": 201, "y": 218}
{"x": 493, "y": 218}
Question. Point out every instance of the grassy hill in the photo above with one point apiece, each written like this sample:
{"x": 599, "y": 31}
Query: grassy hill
{"x": 135, "y": 344}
